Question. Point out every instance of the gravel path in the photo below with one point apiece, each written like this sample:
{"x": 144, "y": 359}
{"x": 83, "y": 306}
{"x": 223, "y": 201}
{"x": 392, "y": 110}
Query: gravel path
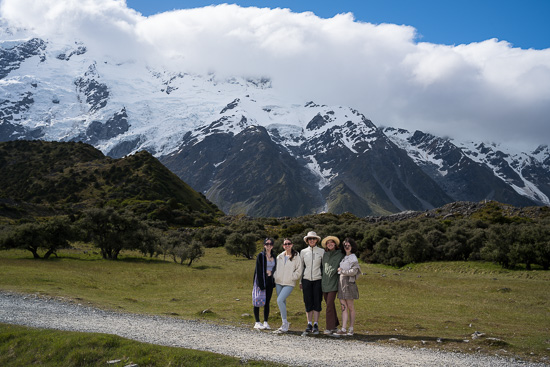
{"x": 41, "y": 312}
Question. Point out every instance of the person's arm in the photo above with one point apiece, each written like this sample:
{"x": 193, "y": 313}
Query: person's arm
{"x": 352, "y": 271}
{"x": 260, "y": 271}
{"x": 298, "y": 269}
{"x": 303, "y": 269}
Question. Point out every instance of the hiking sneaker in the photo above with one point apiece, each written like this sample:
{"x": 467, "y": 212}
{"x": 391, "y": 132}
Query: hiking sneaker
{"x": 284, "y": 327}
{"x": 341, "y": 332}
{"x": 350, "y": 331}
{"x": 315, "y": 329}
{"x": 309, "y": 328}
{"x": 266, "y": 326}
{"x": 259, "y": 326}
{"x": 327, "y": 332}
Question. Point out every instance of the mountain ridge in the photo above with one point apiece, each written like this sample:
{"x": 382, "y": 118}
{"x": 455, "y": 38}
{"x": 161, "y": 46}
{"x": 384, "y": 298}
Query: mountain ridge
{"x": 247, "y": 148}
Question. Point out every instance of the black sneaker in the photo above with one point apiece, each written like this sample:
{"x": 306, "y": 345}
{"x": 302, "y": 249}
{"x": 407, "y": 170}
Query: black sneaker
{"x": 315, "y": 329}
{"x": 309, "y": 328}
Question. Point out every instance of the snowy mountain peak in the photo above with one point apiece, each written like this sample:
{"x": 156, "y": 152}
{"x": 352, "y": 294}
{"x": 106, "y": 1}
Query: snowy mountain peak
{"x": 333, "y": 157}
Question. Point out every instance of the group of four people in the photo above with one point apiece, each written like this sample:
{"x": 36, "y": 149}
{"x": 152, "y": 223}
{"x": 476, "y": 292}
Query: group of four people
{"x": 326, "y": 272}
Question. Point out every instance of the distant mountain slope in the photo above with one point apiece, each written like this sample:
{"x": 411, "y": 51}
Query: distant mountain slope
{"x": 475, "y": 172}
{"x": 73, "y": 176}
{"x": 241, "y": 143}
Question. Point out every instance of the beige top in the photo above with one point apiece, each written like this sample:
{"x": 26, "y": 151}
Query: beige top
{"x": 311, "y": 262}
{"x": 288, "y": 271}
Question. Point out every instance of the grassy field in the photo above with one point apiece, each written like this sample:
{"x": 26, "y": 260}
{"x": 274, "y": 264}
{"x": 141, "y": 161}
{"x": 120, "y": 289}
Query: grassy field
{"x": 433, "y": 305}
{"x": 21, "y": 346}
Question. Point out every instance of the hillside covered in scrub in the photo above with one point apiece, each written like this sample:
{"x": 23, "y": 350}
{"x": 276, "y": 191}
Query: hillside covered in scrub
{"x": 47, "y": 178}
{"x": 149, "y": 209}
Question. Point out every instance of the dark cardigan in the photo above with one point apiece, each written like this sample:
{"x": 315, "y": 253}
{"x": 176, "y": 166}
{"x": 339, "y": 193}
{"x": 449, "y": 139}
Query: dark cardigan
{"x": 261, "y": 265}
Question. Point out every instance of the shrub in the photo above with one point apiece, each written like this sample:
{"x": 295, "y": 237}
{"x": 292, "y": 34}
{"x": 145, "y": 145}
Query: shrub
{"x": 241, "y": 245}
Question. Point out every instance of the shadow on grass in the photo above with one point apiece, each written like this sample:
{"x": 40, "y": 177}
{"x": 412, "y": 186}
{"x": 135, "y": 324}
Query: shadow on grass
{"x": 139, "y": 260}
{"x": 372, "y": 338}
{"x": 205, "y": 267}
{"x": 142, "y": 260}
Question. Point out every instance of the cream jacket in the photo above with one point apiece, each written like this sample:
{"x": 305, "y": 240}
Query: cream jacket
{"x": 311, "y": 262}
{"x": 289, "y": 271}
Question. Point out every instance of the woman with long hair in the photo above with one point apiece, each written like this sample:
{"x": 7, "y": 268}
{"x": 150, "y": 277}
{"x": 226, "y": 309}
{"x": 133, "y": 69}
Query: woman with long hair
{"x": 266, "y": 265}
{"x": 289, "y": 270}
{"x": 347, "y": 289}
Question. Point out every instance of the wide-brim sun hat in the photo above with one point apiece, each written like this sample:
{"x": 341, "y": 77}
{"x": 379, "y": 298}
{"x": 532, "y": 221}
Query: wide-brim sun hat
{"x": 311, "y": 235}
{"x": 326, "y": 239}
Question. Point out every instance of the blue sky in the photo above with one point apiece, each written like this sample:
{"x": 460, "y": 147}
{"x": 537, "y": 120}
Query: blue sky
{"x": 523, "y": 23}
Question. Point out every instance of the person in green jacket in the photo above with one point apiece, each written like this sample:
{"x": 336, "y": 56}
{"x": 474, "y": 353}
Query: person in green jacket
{"x": 329, "y": 282}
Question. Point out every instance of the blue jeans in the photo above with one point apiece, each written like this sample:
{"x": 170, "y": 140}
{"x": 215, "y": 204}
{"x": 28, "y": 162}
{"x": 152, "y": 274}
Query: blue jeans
{"x": 283, "y": 291}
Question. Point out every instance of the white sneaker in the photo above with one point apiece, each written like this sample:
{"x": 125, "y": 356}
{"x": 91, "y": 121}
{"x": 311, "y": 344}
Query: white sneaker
{"x": 350, "y": 331}
{"x": 259, "y": 326}
{"x": 266, "y": 326}
{"x": 284, "y": 327}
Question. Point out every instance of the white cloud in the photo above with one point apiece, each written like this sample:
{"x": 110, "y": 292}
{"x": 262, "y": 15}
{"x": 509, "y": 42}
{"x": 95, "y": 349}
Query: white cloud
{"x": 487, "y": 90}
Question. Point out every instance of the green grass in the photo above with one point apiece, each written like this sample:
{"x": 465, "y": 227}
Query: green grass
{"x": 418, "y": 304}
{"x": 21, "y": 346}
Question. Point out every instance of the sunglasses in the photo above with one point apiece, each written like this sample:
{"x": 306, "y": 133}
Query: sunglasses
{"x": 287, "y": 243}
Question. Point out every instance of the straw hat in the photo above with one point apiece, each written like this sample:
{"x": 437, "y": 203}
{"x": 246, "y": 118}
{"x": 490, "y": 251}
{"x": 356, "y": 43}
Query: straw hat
{"x": 326, "y": 239}
{"x": 312, "y": 235}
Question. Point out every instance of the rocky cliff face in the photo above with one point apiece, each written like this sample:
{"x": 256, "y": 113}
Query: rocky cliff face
{"x": 475, "y": 172}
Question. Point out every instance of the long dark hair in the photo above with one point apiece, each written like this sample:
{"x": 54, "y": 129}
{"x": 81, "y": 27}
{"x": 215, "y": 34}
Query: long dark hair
{"x": 269, "y": 239}
{"x": 352, "y": 243}
{"x": 292, "y": 251}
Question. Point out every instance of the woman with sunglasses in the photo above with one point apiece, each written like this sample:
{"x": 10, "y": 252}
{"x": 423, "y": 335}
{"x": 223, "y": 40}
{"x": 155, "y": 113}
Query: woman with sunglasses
{"x": 266, "y": 265}
{"x": 347, "y": 289}
{"x": 289, "y": 270}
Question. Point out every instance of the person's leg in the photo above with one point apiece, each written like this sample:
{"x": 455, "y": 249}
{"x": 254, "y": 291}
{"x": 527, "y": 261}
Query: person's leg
{"x": 257, "y": 314}
{"x": 317, "y": 304}
{"x": 351, "y": 309}
{"x": 279, "y": 289}
{"x": 331, "y": 314}
{"x": 282, "y": 294}
{"x": 316, "y": 317}
{"x": 327, "y": 313}
{"x": 307, "y": 288}
{"x": 268, "y": 295}
{"x": 344, "y": 314}
{"x": 317, "y": 299}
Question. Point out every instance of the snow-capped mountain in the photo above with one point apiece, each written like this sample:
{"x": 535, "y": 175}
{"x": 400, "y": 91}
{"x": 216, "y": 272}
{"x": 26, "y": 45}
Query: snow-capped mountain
{"x": 477, "y": 171}
{"x": 244, "y": 145}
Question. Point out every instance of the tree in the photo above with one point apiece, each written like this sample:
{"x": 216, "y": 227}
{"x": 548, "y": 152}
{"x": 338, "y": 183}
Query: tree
{"x": 56, "y": 234}
{"x": 149, "y": 242}
{"x": 542, "y": 250}
{"x": 183, "y": 247}
{"x": 112, "y": 232}
{"x": 241, "y": 245}
{"x": 190, "y": 252}
{"x": 500, "y": 239}
{"x": 415, "y": 247}
{"x": 48, "y": 236}
{"x": 27, "y": 236}
{"x": 211, "y": 236}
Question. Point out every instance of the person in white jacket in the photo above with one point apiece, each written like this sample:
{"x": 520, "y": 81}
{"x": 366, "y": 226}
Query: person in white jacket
{"x": 289, "y": 270}
{"x": 311, "y": 286}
